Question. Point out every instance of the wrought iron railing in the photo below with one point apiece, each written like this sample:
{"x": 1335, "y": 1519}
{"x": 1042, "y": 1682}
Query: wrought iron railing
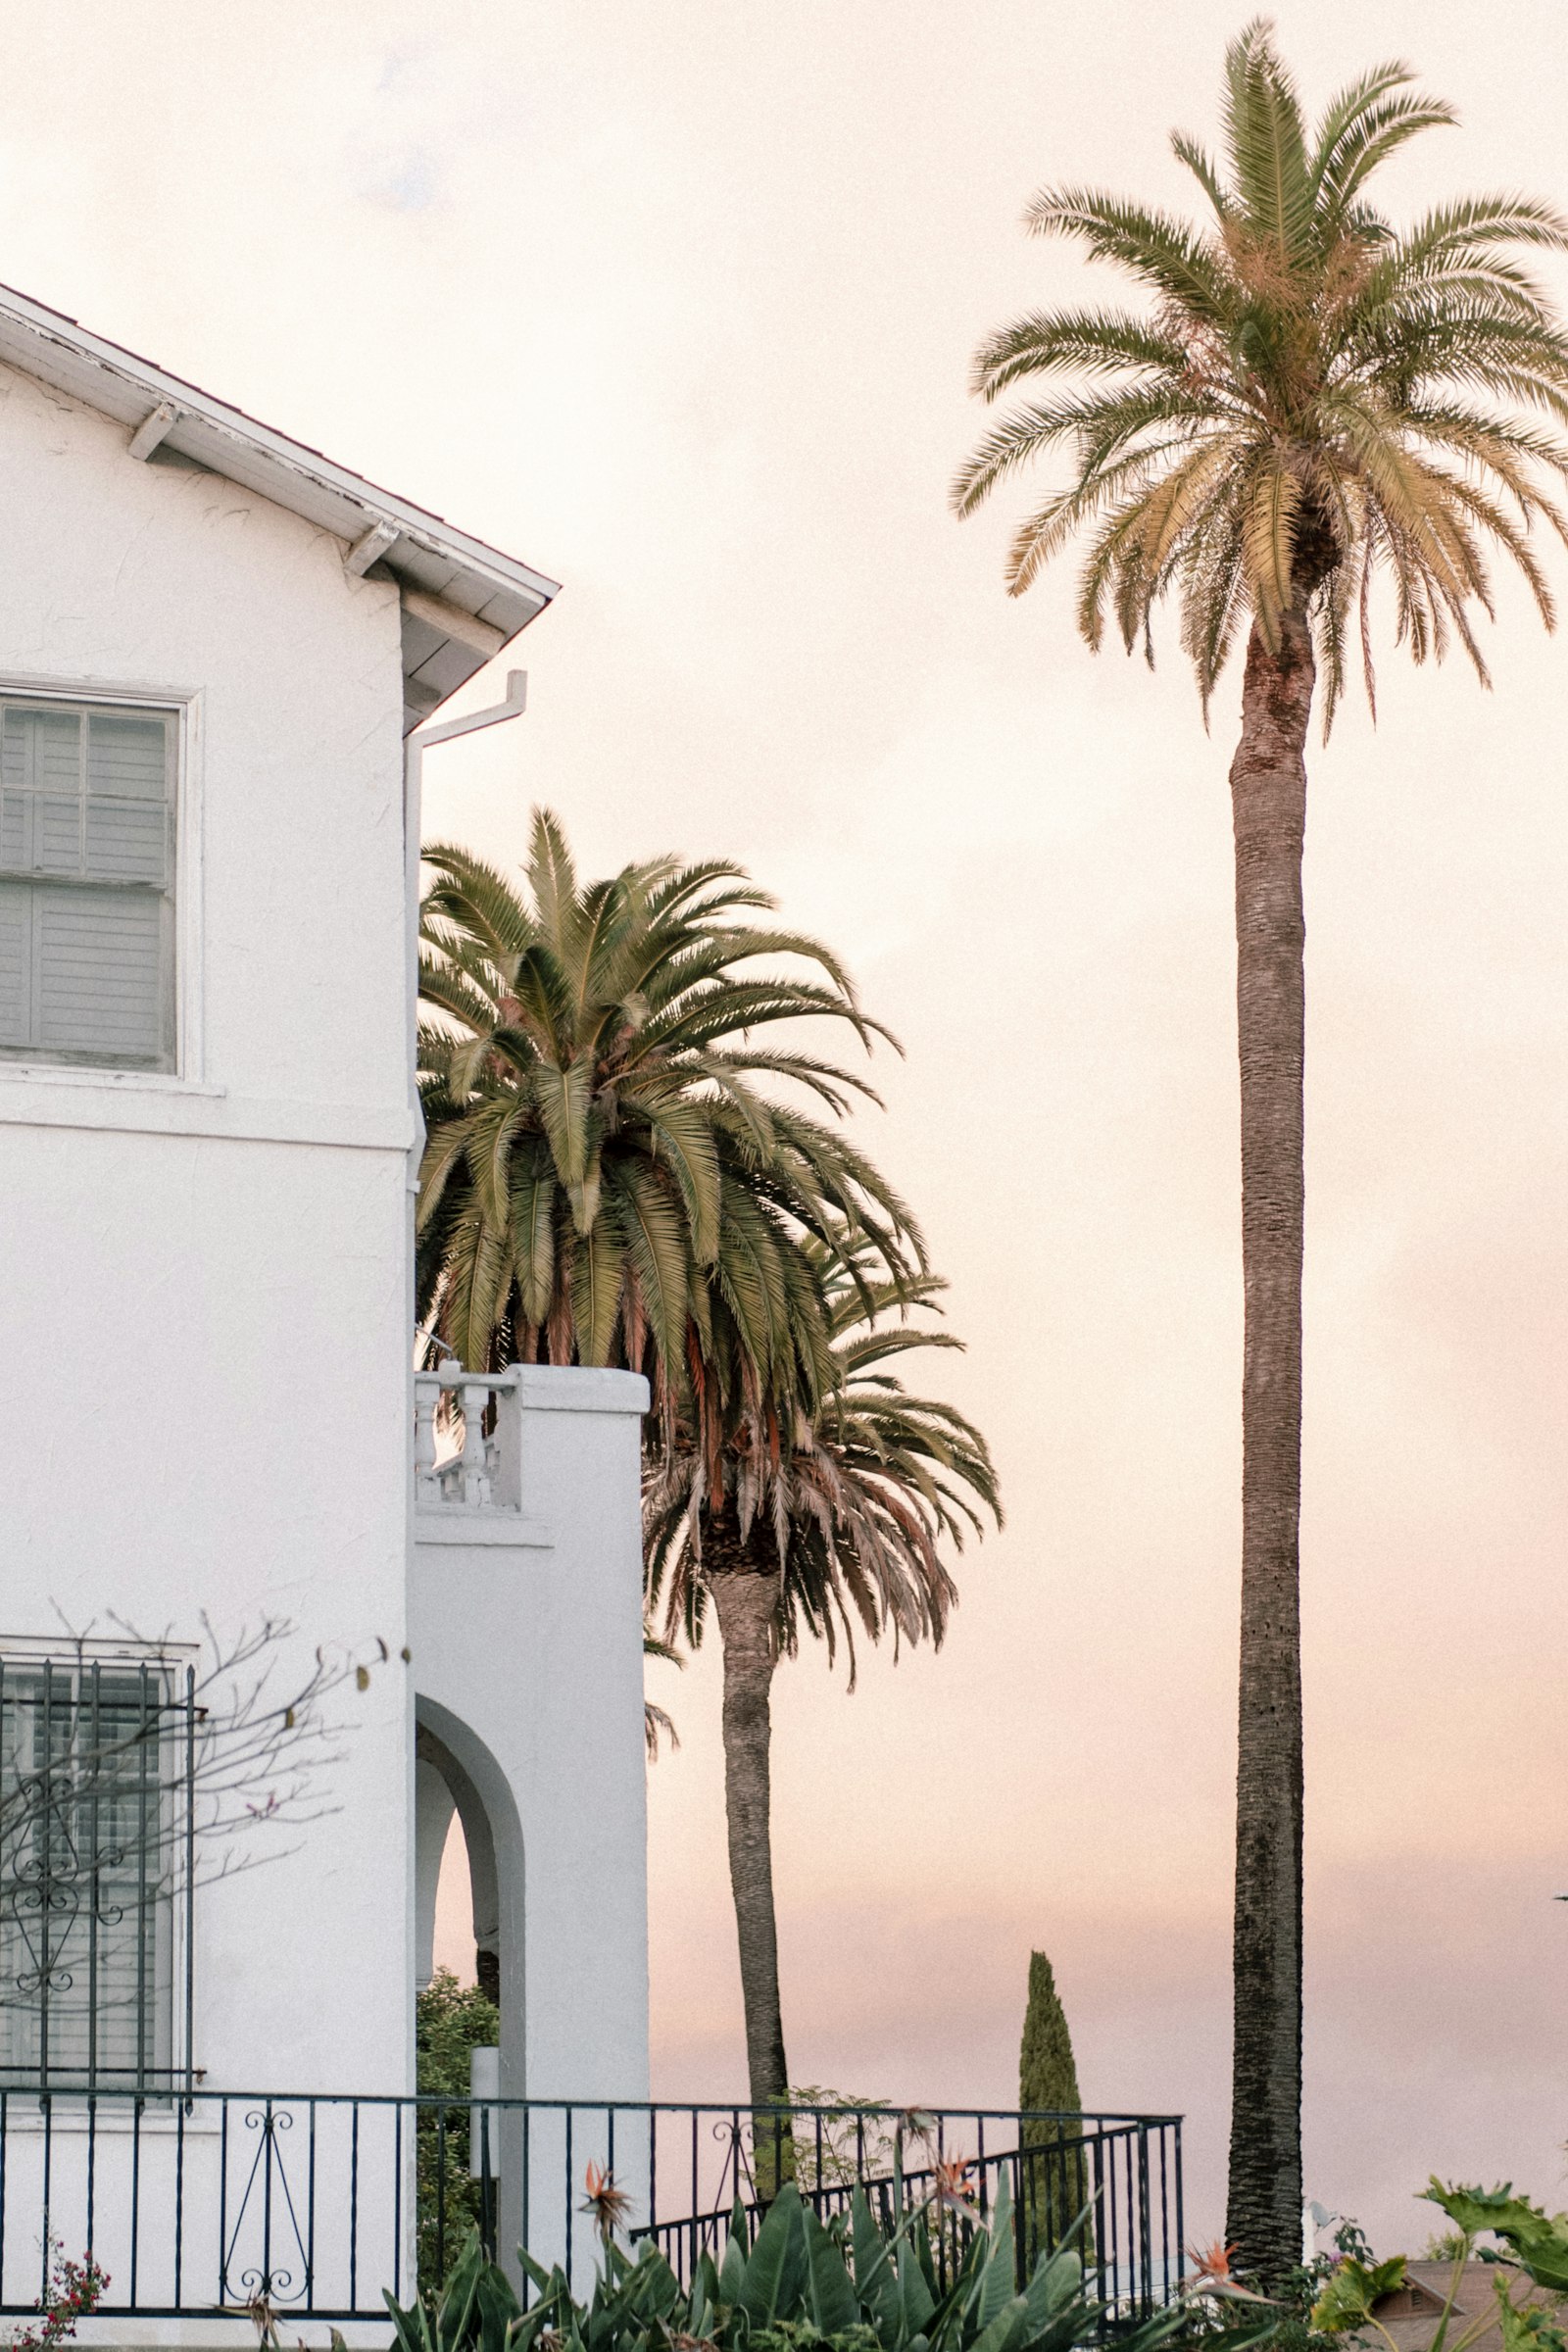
{"x": 211, "y": 2202}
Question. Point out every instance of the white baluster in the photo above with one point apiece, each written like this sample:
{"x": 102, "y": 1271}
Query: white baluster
{"x": 475, "y": 1395}
{"x": 427, "y": 1486}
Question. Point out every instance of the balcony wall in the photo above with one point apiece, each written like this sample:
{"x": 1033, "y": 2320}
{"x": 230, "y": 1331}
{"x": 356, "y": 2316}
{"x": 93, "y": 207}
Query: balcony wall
{"x": 525, "y": 1622}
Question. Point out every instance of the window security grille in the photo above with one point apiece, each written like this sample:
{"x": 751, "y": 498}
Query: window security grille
{"x": 86, "y": 885}
{"x": 97, "y": 1773}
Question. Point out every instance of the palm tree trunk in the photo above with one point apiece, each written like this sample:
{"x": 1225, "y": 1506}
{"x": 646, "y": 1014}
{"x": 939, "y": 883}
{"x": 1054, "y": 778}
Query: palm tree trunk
{"x": 1268, "y": 794}
{"x": 746, "y": 1598}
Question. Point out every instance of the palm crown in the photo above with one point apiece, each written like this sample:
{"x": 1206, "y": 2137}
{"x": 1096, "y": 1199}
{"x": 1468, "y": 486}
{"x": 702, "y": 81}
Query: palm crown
{"x": 851, "y": 1505}
{"x": 1312, "y": 398}
{"x": 609, "y": 1165}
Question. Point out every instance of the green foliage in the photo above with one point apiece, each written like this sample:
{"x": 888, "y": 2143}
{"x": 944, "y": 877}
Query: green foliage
{"x": 450, "y": 2021}
{"x": 1055, "y": 2188}
{"x": 617, "y": 1161}
{"x": 860, "y": 1497}
{"x": 1311, "y": 400}
{"x": 1535, "y": 2253}
{"x": 1537, "y": 2241}
{"x": 851, "y": 2140}
{"x": 800, "y": 2285}
{"x": 1352, "y": 2289}
{"x": 1047, "y": 2072}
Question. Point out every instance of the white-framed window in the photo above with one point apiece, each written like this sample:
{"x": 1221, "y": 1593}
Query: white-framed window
{"x": 96, "y": 1824}
{"x": 87, "y": 880}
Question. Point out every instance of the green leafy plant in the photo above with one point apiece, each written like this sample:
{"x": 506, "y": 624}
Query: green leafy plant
{"x": 841, "y": 2140}
{"x": 1534, "y": 2254}
{"x": 800, "y": 2284}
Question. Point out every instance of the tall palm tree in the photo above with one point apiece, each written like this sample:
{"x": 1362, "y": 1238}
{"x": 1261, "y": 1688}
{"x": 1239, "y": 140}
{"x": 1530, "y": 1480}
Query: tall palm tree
{"x": 1307, "y": 399}
{"x": 609, "y": 1151}
{"x": 830, "y": 1518}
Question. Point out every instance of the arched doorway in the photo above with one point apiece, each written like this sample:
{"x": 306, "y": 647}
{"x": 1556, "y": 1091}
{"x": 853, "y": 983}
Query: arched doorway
{"x": 444, "y": 1794}
{"x": 456, "y": 1773}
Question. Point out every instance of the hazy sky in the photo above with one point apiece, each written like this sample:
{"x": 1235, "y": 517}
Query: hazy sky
{"x": 676, "y": 301}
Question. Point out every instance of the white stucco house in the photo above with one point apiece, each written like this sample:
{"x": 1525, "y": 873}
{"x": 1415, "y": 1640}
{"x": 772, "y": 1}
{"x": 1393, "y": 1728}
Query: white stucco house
{"x": 215, "y": 648}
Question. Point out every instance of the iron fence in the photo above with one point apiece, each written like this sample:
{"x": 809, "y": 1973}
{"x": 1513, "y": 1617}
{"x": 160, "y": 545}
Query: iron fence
{"x": 203, "y": 2204}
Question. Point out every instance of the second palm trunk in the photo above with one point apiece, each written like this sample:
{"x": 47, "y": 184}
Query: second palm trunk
{"x": 745, "y": 1600}
{"x": 1269, "y": 794}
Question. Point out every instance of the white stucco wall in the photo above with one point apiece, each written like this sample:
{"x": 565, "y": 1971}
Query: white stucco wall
{"x": 203, "y": 1315}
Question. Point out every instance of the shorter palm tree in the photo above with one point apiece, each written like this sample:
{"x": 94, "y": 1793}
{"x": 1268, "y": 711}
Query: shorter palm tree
{"x": 819, "y": 1523}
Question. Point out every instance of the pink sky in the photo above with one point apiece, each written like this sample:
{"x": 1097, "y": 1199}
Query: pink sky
{"x": 677, "y": 304}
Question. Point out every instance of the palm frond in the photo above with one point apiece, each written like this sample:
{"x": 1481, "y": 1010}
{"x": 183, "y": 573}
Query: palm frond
{"x": 1266, "y": 142}
{"x": 1162, "y": 252}
{"x": 1093, "y": 342}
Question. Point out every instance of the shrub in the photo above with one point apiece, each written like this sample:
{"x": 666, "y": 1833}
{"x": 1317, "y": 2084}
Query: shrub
{"x": 800, "y": 2286}
{"x": 450, "y": 2021}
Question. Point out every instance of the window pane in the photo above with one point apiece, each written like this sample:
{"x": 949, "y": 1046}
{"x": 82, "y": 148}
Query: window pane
{"x": 14, "y": 750}
{"x": 87, "y": 817}
{"x": 126, "y": 840}
{"x": 127, "y": 756}
{"x": 15, "y": 963}
{"x": 100, "y": 967}
{"x": 55, "y": 745}
{"x": 56, "y": 833}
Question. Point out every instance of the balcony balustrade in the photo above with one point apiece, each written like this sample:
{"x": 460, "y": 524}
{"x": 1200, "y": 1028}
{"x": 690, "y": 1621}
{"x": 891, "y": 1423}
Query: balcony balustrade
{"x": 467, "y": 1441}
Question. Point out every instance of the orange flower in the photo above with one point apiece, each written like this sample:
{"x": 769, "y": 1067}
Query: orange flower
{"x": 609, "y": 2205}
{"x": 951, "y": 2190}
{"x": 1211, "y": 2274}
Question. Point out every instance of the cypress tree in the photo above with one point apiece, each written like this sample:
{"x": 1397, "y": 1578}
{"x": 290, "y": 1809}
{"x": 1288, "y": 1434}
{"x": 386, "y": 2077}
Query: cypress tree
{"x": 1055, "y": 2183}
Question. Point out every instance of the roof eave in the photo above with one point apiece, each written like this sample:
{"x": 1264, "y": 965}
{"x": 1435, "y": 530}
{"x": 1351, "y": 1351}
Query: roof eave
{"x": 463, "y": 601}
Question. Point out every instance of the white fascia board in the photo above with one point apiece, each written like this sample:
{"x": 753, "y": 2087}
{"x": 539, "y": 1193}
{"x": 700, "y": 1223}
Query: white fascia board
{"x": 425, "y": 551}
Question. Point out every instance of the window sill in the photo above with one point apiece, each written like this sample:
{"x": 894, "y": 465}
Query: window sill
{"x": 122, "y": 1082}
{"x": 149, "y": 1102}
